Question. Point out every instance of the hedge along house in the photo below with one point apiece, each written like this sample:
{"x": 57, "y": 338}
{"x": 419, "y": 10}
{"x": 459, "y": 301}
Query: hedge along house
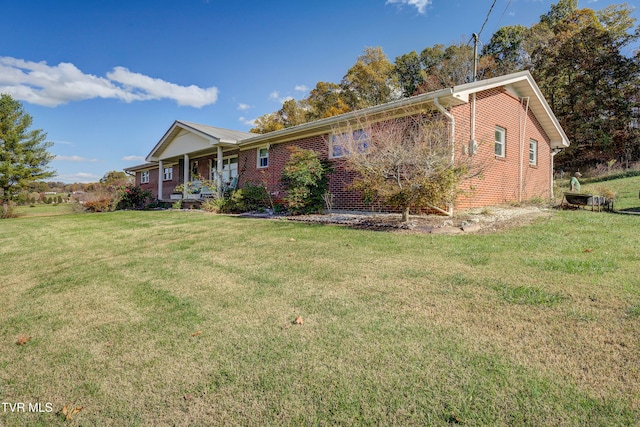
{"x": 504, "y": 123}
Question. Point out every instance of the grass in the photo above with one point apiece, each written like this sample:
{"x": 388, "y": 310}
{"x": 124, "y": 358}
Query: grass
{"x": 186, "y": 318}
{"x": 42, "y": 209}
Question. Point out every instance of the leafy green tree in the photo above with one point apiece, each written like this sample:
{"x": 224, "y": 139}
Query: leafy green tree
{"x": 23, "y": 152}
{"x": 116, "y": 179}
{"x": 268, "y": 123}
{"x": 507, "y": 49}
{"x": 326, "y": 100}
{"x": 293, "y": 112}
{"x": 591, "y": 85}
{"x": 408, "y": 69}
{"x": 446, "y": 66}
{"x": 370, "y": 81}
{"x": 306, "y": 179}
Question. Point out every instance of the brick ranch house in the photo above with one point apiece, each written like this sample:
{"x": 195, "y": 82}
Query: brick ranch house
{"x": 503, "y": 122}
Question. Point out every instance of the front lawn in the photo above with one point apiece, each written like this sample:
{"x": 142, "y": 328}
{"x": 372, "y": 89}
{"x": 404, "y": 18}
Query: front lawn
{"x": 187, "y": 318}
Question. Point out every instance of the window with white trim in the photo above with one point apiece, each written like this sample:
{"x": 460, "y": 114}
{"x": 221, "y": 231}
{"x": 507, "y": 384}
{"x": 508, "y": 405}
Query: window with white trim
{"x": 501, "y": 134}
{"x": 167, "y": 173}
{"x": 263, "y": 157}
{"x": 144, "y": 177}
{"x": 229, "y": 169}
{"x": 340, "y": 141}
{"x": 533, "y": 152}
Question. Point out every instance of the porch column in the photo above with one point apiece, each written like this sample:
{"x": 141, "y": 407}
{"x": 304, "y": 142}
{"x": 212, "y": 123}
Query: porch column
{"x": 219, "y": 171}
{"x": 160, "y": 178}
{"x": 185, "y": 175}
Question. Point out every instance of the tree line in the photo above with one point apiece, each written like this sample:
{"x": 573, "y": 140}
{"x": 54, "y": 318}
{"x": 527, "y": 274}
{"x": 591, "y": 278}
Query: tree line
{"x": 585, "y": 62}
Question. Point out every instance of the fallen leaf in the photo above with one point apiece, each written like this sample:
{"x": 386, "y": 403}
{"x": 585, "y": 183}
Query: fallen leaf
{"x": 298, "y": 321}
{"x": 188, "y": 396}
{"x": 195, "y": 334}
{"x": 23, "y": 339}
{"x": 588, "y": 250}
{"x": 68, "y": 413}
{"x": 292, "y": 239}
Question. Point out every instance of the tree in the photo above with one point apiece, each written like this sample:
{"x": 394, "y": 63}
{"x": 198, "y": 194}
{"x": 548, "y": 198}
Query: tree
{"x": 306, "y": 178}
{"x": 446, "y": 67}
{"x": 590, "y": 85}
{"x": 507, "y": 49}
{"x": 410, "y": 74}
{"x": 405, "y": 162}
{"x": 23, "y": 152}
{"x": 370, "y": 81}
{"x": 326, "y": 100}
{"x": 113, "y": 180}
{"x": 268, "y": 123}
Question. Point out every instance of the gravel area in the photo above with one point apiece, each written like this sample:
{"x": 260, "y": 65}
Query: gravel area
{"x": 485, "y": 220}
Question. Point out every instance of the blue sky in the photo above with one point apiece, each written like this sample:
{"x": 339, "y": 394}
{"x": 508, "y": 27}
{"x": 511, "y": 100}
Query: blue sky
{"x": 106, "y": 79}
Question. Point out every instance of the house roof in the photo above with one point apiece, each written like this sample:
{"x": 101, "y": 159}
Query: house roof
{"x": 215, "y": 135}
{"x": 520, "y": 84}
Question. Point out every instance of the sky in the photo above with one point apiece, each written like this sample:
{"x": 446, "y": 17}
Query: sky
{"x": 106, "y": 79}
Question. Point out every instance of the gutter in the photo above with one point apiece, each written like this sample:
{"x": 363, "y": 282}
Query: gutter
{"x": 452, "y": 123}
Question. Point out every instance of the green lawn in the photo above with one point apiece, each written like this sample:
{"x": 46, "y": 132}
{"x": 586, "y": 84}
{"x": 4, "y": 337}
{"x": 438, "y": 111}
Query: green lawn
{"x": 186, "y": 318}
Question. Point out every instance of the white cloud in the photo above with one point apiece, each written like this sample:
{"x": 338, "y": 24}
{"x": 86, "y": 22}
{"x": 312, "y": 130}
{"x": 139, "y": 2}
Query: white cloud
{"x": 421, "y": 5}
{"x": 82, "y": 177}
{"x": 244, "y": 107}
{"x": 75, "y": 159}
{"x": 274, "y": 95}
{"x": 246, "y": 121}
{"x": 301, "y": 88}
{"x": 133, "y": 158}
{"x": 50, "y": 86}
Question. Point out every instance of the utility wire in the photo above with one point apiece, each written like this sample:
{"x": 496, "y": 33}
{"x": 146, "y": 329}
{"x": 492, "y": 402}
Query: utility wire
{"x": 503, "y": 12}
{"x": 487, "y": 18}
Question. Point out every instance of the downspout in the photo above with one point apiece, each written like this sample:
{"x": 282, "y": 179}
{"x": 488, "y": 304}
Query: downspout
{"x": 452, "y": 123}
{"x": 523, "y": 131}
{"x": 160, "y": 178}
{"x": 553, "y": 154}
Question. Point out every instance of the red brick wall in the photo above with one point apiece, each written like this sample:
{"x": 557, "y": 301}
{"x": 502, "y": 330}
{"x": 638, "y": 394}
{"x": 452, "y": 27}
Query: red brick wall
{"x": 499, "y": 179}
{"x": 497, "y": 183}
{"x": 340, "y": 179}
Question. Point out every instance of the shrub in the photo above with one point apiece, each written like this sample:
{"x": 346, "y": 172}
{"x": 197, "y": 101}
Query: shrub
{"x": 99, "y": 205}
{"x": 213, "y": 205}
{"x": 306, "y": 179}
{"x": 7, "y": 210}
{"x": 132, "y": 197}
{"x": 255, "y": 197}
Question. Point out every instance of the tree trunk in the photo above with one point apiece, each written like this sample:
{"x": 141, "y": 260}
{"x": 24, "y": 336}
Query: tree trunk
{"x": 405, "y": 214}
{"x": 5, "y": 209}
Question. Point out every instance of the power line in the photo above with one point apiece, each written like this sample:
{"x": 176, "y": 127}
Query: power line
{"x": 503, "y": 12}
{"x": 487, "y": 18}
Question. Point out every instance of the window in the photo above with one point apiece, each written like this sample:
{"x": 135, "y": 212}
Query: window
{"x": 500, "y": 141}
{"x": 339, "y": 142}
{"x": 167, "y": 174}
{"x": 229, "y": 169}
{"x": 263, "y": 157}
{"x": 144, "y": 177}
{"x": 533, "y": 152}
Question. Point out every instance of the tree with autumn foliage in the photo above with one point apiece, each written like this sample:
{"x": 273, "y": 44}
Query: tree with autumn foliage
{"x": 406, "y": 162}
